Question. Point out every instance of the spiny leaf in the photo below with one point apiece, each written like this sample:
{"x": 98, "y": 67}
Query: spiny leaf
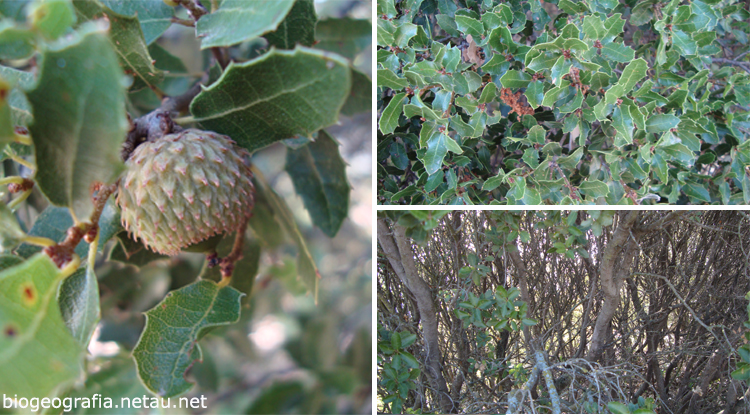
{"x": 279, "y": 95}
{"x": 183, "y": 317}
{"x": 239, "y": 21}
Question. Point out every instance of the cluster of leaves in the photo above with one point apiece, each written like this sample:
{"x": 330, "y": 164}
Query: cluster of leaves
{"x": 643, "y": 406}
{"x": 639, "y": 101}
{"x": 71, "y": 74}
{"x": 500, "y": 310}
{"x": 400, "y": 368}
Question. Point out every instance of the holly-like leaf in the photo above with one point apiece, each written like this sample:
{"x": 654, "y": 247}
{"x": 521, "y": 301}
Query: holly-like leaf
{"x": 154, "y": 16}
{"x": 618, "y": 52}
{"x": 240, "y": 20}
{"x": 438, "y": 146}
{"x": 182, "y": 318}
{"x": 319, "y": 176}
{"x": 79, "y": 118}
{"x": 661, "y": 122}
{"x": 389, "y": 118}
{"x": 276, "y": 96}
{"x": 33, "y": 337}
{"x": 515, "y": 79}
{"x": 348, "y": 37}
{"x": 298, "y": 27}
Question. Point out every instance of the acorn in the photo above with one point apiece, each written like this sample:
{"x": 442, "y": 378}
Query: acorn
{"x": 184, "y": 188}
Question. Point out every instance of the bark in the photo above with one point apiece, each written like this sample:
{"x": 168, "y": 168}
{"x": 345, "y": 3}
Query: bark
{"x": 616, "y": 262}
{"x": 398, "y": 250}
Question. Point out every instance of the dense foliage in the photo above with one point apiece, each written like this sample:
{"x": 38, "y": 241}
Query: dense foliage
{"x": 83, "y": 84}
{"x": 563, "y": 312}
{"x": 563, "y": 102}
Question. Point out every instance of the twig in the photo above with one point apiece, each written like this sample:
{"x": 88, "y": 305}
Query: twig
{"x": 742, "y": 65}
{"x": 63, "y": 254}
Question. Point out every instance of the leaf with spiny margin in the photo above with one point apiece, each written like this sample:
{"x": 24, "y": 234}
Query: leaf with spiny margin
{"x": 594, "y": 188}
{"x": 537, "y": 134}
{"x": 631, "y": 75}
{"x": 276, "y": 96}
{"x": 154, "y": 16}
{"x": 38, "y": 355}
{"x": 661, "y": 122}
{"x": 593, "y": 27}
{"x": 389, "y": 118}
{"x": 237, "y": 21}
{"x": 469, "y": 25}
{"x": 403, "y": 34}
{"x": 387, "y": 78}
{"x": 535, "y": 93}
{"x": 618, "y": 52}
{"x": 79, "y": 118}
{"x": 307, "y": 270}
{"x": 79, "y": 303}
{"x": 684, "y": 42}
{"x": 438, "y": 145}
{"x": 128, "y": 42}
{"x": 623, "y": 123}
{"x": 347, "y": 37}
{"x": 169, "y": 343}
{"x": 298, "y": 27}
{"x": 697, "y": 192}
{"x": 515, "y": 79}
{"x": 319, "y": 176}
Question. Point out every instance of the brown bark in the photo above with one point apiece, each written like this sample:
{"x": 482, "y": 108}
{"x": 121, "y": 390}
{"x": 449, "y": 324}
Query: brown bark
{"x": 399, "y": 252}
{"x": 614, "y": 267}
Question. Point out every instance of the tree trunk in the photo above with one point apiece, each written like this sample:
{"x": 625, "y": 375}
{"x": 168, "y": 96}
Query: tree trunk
{"x": 614, "y": 267}
{"x": 398, "y": 250}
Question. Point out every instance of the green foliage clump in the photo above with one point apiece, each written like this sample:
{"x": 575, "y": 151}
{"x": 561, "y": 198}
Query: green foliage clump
{"x": 563, "y": 102}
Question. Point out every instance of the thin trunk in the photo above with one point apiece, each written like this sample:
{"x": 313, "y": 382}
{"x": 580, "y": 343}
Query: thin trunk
{"x": 615, "y": 264}
{"x": 398, "y": 250}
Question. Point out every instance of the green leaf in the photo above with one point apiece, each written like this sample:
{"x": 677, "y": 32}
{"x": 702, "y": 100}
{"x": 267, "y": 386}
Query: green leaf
{"x": 684, "y": 42}
{"x": 298, "y": 27}
{"x": 79, "y": 303}
{"x": 169, "y": 343}
{"x": 594, "y": 188}
{"x": 307, "y": 270}
{"x": 618, "y": 408}
{"x": 515, "y": 79}
{"x": 154, "y": 16}
{"x": 618, "y": 52}
{"x": 127, "y": 41}
{"x": 697, "y": 192}
{"x": 623, "y": 123}
{"x": 469, "y": 25}
{"x": 403, "y": 34}
{"x": 239, "y": 21}
{"x": 347, "y": 37}
{"x": 360, "y": 96}
{"x": 79, "y": 119}
{"x": 535, "y": 93}
{"x": 11, "y": 233}
{"x": 438, "y": 146}
{"x": 33, "y": 336}
{"x": 15, "y": 42}
{"x": 661, "y": 122}
{"x": 319, "y": 176}
{"x": 537, "y": 134}
{"x": 742, "y": 372}
{"x": 389, "y": 118}
{"x": 279, "y": 95}
{"x": 50, "y": 18}
{"x": 388, "y": 79}
{"x": 631, "y": 75}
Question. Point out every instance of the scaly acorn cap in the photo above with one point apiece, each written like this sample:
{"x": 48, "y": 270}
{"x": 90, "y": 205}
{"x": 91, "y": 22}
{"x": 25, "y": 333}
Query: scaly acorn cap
{"x": 184, "y": 188}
